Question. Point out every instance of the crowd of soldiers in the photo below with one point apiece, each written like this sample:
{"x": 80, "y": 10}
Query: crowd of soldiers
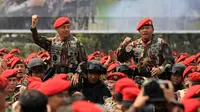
{"x": 16, "y": 13}
{"x": 142, "y": 75}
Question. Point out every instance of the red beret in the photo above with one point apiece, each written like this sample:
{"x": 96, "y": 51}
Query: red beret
{"x": 54, "y": 86}
{"x": 30, "y": 56}
{"x": 96, "y": 53}
{"x": 193, "y": 91}
{"x": 62, "y": 76}
{"x": 195, "y": 76}
{"x": 33, "y": 79}
{"x": 198, "y": 55}
{"x": 198, "y": 61}
{"x": 16, "y": 60}
{"x": 103, "y": 59}
{"x": 191, "y": 105}
{"x": 16, "y": 50}
{"x": 116, "y": 76}
{"x": 123, "y": 83}
{"x": 84, "y": 106}
{"x": 8, "y": 56}
{"x": 60, "y": 21}
{"x": 174, "y": 53}
{"x": 112, "y": 67}
{"x": 40, "y": 52}
{"x": 4, "y": 50}
{"x": 34, "y": 85}
{"x": 181, "y": 58}
{"x": 130, "y": 93}
{"x": 90, "y": 57}
{"x": 189, "y": 60}
{"x": 189, "y": 70}
{"x": 9, "y": 73}
{"x": 145, "y": 21}
{"x": 3, "y": 82}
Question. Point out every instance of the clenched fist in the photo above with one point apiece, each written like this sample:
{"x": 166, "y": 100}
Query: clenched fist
{"x": 34, "y": 21}
{"x": 126, "y": 41}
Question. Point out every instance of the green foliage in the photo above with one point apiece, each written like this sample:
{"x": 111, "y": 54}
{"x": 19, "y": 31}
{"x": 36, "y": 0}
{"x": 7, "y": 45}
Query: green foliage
{"x": 103, "y": 42}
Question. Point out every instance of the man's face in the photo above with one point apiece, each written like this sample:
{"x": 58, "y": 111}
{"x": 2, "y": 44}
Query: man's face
{"x": 20, "y": 70}
{"x": 57, "y": 100}
{"x": 12, "y": 83}
{"x": 186, "y": 82}
{"x": 111, "y": 85}
{"x": 93, "y": 77}
{"x": 176, "y": 79}
{"x": 146, "y": 33}
{"x": 63, "y": 31}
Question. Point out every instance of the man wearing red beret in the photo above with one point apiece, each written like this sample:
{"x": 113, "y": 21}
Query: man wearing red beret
{"x": 18, "y": 64}
{"x": 66, "y": 50}
{"x": 58, "y": 94}
{"x": 3, "y": 84}
{"x": 112, "y": 78}
{"x": 149, "y": 46}
{"x": 10, "y": 75}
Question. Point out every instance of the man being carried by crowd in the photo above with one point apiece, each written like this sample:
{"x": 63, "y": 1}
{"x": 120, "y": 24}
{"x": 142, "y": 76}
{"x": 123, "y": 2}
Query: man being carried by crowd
{"x": 149, "y": 48}
{"x": 66, "y": 50}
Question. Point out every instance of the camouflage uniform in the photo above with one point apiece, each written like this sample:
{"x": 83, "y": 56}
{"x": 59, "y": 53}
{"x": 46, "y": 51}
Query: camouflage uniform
{"x": 156, "y": 53}
{"x": 110, "y": 103}
{"x": 64, "y": 55}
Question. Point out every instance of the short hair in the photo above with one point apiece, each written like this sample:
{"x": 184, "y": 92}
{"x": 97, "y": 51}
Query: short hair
{"x": 33, "y": 101}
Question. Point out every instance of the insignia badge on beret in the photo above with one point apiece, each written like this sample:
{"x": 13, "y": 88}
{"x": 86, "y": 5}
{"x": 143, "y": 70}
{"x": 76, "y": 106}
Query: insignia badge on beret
{"x": 149, "y": 23}
{"x": 129, "y": 48}
{"x": 193, "y": 70}
{"x": 115, "y": 77}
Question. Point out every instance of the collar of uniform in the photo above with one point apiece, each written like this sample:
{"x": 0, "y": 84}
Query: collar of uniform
{"x": 145, "y": 44}
{"x": 58, "y": 38}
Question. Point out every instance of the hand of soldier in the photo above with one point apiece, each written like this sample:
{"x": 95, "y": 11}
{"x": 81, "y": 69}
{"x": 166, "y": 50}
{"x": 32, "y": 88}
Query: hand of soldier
{"x": 75, "y": 78}
{"x": 168, "y": 92}
{"x": 34, "y": 21}
{"x": 156, "y": 71}
{"x": 140, "y": 100}
{"x": 113, "y": 56}
{"x": 126, "y": 41}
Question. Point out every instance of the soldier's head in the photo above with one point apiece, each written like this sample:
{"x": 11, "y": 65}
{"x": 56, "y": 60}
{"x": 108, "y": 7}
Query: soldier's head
{"x": 112, "y": 78}
{"x": 18, "y": 64}
{"x": 62, "y": 26}
{"x": 33, "y": 101}
{"x": 36, "y": 67}
{"x": 95, "y": 69}
{"x": 10, "y": 75}
{"x": 145, "y": 28}
{"x": 57, "y": 95}
{"x": 3, "y": 84}
{"x": 177, "y": 72}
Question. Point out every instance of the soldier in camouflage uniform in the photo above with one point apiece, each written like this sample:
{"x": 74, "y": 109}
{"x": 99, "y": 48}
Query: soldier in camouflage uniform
{"x": 154, "y": 51}
{"x": 112, "y": 79}
{"x": 66, "y": 50}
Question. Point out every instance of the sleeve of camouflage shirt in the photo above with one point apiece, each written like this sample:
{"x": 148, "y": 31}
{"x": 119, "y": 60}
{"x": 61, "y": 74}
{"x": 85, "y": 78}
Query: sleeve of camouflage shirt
{"x": 122, "y": 55}
{"x": 81, "y": 53}
{"x": 41, "y": 41}
{"x": 168, "y": 57}
{"x": 82, "y": 59}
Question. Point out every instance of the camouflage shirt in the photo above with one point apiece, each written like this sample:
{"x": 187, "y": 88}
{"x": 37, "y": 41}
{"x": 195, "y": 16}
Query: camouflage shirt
{"x": 155, "y": 53}
{"x": 69, "y": 53}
